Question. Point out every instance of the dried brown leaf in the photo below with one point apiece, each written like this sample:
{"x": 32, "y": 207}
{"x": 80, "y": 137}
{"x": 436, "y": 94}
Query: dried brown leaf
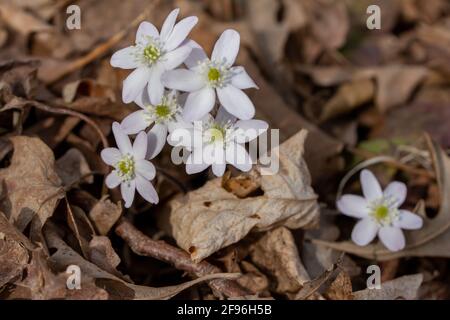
{"x": 72, "y": 167}
{"x": 210, "y": 218}
{"x": 340, "y": 288}
{"x": 277, "y": 254}
{"x": 31, "y": 186}
{"x": 105, "y": 214}
{"x": 405, "y": 287}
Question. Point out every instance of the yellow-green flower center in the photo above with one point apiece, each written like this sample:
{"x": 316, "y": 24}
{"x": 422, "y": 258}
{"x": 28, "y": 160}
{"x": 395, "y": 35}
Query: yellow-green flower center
{"x": 162, "y": 111}
{"x": 216, "y": 133}
{"x": 381, "y": 213}
{"x": 152, "y": 53}
{"x": 213, "y": 74}
{"x": 125, "y": 167}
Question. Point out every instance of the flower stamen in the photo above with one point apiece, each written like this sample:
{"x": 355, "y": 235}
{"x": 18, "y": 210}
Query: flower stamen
{"x": 125, "y": 167}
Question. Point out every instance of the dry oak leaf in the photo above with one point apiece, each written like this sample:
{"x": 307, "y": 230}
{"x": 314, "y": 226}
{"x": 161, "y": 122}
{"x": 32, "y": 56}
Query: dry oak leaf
{"x": 14, "y": 252}
{"x": 405, "y": 287}
{"x": 210, "y": 218}
{"x": 30, "y": 185}
{"x": 433, "y": 240}
{"x": 277, "y": 254}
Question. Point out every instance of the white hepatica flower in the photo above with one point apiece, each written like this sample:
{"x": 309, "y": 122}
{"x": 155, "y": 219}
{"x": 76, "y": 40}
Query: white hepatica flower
{"x": 205, "y": 77}
{"x": 165, "y": 117}
{"x": 216, "y": 142}
{"x": 131, "y": 170}
{"x": 153, "y": 54}
{"x": 379, "y": 213}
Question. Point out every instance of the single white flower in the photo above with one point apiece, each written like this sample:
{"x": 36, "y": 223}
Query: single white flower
{"x": 153, "y": 54}
{"x": 131, "y": 170}
{"x": 165, "y": 117}
{"x": 379, "y": 213}
{"x": 205, "y": 77}
{"x": 216, "y": 142}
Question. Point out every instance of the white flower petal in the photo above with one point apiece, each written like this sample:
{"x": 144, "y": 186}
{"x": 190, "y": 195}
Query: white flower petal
{"x": 353, "y": 206}
{"x": 112, "y": 180}
{"x": 408, "y": 220}
{"x": 124, "y": 58}
{"x": 236, "y": 102}
{"x": 135, "y": 83}
{"x": 146, "y": 169}
{"x": 237, "y": 156}
{"x": 156, "y": 140}
{"x": 218, "y": 169}
{"x": 223, "y": 116}
{"x": 180, "y": 32}
{"x": 140, "y": 146}
{"x": 193, "y": 166}
{"x": 199, "y": 103}
{"x": 142, "y": 100}
{"x": 111, "y": 156}
{"x": 370, "y": 186}
{"x": 241, "y": 79}
{"x": 168, "y": 24}
{"x": 227, "y": 47}
{"x": 122, "y": 140}
{"x": 183, "y": 80}
{"x": 181, "y": 137}
{"x": 196, "y": 56}
{"x": 176, "y": 57}
{"x": 146, "y": 190}
{"x": 134, "y": 122}
{"x": 396, "y": 190}
{"x": 155, "y": 87}
{"x": 128, "y": 189}
{"x": 146, "y": 29}
{"x": 364, "y": 231}
{"x": 392, "y": 238}
{"x": 249, "y": 130}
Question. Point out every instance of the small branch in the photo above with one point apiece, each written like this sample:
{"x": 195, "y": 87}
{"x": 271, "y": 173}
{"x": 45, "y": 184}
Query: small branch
{"x": 145, "y": 246}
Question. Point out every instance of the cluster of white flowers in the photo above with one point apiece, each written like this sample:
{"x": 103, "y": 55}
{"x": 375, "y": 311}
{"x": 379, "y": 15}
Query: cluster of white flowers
{"x": 176, "y": 104}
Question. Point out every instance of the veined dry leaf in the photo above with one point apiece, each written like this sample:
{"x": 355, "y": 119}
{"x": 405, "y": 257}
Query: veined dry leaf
{"x": 103, "y": 255}
{"x": 105, "y": 214}
{"x": 210, "y": 218}
{"x": 405, "y": 287}
{"x": 433, "y": 240}
{"x": 14, "y": 253}
{"x": 65, "y": 256}
{"x": 395, "y": 83}
{"x": 73, "y": 167}
{"x": 340, "y": 288}
{"x": 348, "y": 97}
{"x": 30, "y": 185}
{"x": 277, "y": 254}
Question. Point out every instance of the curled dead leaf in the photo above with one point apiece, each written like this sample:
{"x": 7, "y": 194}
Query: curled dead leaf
{"x": 405, "y": 287}
{"x": 31, "y": 186}
{"x": 210, "y": 218}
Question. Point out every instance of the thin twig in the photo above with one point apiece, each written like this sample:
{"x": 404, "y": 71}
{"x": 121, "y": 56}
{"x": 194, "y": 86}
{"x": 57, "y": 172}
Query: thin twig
{"x": 145, "y": 246}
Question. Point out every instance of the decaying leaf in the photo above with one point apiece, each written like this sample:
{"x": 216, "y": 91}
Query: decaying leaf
{"x": 65, "y": 256}
{"x": 72, "y": 167}
{"x": 405, "y": 287}
{"x": 210, "y": 218}
{"x": 14, "y": 254}
{"x": 433, "y": 240}
{"x": 277, "y": 254}
{"x": 30, "y": 185}
{"x": 340, "y": 288}
{"x": 105, "y": 214}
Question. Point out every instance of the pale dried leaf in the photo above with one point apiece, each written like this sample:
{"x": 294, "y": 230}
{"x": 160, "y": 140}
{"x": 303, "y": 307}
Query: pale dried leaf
{"x": 405, "y": 287}
{"x": 31, "y": 186}
{"x": 277, "y": 254}
{"x": 105, "y": 214}
{"x": 210, "y": 218}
